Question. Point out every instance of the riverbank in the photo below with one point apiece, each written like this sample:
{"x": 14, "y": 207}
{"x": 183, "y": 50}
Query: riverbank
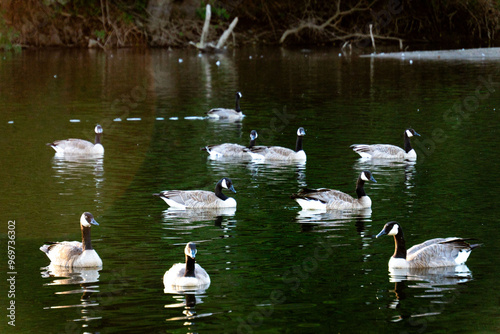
{"x": 169, "y": 23}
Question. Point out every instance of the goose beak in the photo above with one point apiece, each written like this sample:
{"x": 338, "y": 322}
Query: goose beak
{"x": 416, "y": 134}
{"x": 93, "y": 222}
{"x": 373, "y": 179}
{"x": 193, "y": 253}
{"x": 383, "y": 232}
{"x": 232, "y": 189}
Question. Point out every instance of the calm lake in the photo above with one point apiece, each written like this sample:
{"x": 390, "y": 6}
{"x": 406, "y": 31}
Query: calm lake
{"x": 273, "y": 267}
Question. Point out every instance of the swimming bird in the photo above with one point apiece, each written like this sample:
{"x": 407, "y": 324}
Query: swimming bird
{"x": 75, "y": 254}
{"x": 278, "y": 153}
{"x": 386, "y": 151}
{"x": 323, "y": 198}
{"x": 439, "y": 252}
{"x": 189, "y": 274}
{"x": 231, "y": 150}
{"x": 228, "y": 114}
{"x": 184, "y": 199}
{"x": 79, "y": 146}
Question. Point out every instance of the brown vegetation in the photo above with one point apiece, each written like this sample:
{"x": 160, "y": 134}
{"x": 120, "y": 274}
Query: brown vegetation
{"x": 125, "y": 23}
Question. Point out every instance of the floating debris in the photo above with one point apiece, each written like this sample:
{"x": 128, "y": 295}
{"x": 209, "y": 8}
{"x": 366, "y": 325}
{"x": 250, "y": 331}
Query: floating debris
{"x": 194, "y": 117}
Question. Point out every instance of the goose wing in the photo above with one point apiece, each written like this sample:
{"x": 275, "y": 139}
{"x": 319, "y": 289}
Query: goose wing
{"x": 324, "y": 195}
{"x": 223, "y": 113}
{"x": 62, "y": 253}
{"x": 72, "y": 145}
{"x": 226, "y": 149}
{"x": 273, "y": 152}
{"x": 384, "y": 151}
{"x": 439, "y": 252}
{"x": 192, "y": 198}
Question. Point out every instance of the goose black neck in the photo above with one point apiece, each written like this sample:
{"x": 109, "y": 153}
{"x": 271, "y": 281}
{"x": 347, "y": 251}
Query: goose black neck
{"x": 298, "y": 144}
{"x": 237, "y": 103}
{"x": 218, "y": 191}
{"x": 360, "y": 187}
{"x": 98, "y": 138}
{"x": 408, "y": 147}
{"x": 252, "y": 143}
{"x": 189, "y": 267}
{"x": 86, "y": 242}
{"x": 400, "y": 245}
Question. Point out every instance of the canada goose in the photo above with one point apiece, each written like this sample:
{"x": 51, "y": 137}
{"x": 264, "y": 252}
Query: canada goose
{"x": 183, "y": 199}
{"x": 279, "y": 153}
{"x": 79, "y": 146}
{"x": 322, "y": 198}
{"x": 231, "y": 150}
{"x": 74, "y": 253}
{"x": 386, "y": 151}
{"x": 439, "y": 252}
{"x": 186, "y": 274}
{"x": 228, "y": 114}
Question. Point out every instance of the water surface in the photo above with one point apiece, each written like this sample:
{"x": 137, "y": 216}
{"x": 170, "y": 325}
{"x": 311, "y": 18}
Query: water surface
{"x": 274, "y": 268}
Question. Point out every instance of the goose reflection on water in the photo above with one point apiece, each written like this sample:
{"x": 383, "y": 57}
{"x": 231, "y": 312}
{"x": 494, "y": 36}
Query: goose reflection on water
{"x": 86, "y": 280}
{"x": 276, "y": 171}
{"x": 327, "y": 219}
{"x": 395, "y": 170}
{"x": 195, "y": 218}
{"x": 187, "y": 300}
{"x": 438, "y": 285}
{"x": 77, "y": 173}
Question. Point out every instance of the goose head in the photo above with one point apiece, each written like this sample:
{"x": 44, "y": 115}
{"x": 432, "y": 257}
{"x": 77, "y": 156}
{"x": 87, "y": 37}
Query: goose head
{"x": 87, "y": 220}
{"x": 190, "y": 250}
{"x": 226, "y": 183}
{"x": 253, "y": 135}
{"x": 301, "y": 132}
{"x": 410, "y": 133}
{"x": 98, "y": 129}
{"x": 391, "y": 228}
{"x": 367, "y": 176}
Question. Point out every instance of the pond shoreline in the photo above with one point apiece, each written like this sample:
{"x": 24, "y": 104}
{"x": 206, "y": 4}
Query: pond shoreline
{"x": 174, "y": 24}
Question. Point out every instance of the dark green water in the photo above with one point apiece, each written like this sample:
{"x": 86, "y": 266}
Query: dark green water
{"x": 273, "y": 268}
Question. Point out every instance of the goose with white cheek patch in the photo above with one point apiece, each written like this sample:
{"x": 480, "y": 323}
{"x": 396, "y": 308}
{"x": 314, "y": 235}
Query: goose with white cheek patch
{"x": 79, "y": 146}
{"x": 439, "y": 252}
{"x": 75, "y": 254}
{"x": 324, "y": 199}
{"x": 186, "y": 199}
{"x": 278, "y": 153}
{"x": 228, "y": 114}
{"x": 189, "y": 274}
{"x": 229, "y": 150}
{"x": 386, "y": 151}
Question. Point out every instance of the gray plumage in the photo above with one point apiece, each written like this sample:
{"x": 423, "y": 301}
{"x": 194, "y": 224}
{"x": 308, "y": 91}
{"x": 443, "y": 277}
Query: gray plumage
{"x": 228, "y": 114}
{"x": 74, "y": 146}
{"x": 437, "y": 252}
